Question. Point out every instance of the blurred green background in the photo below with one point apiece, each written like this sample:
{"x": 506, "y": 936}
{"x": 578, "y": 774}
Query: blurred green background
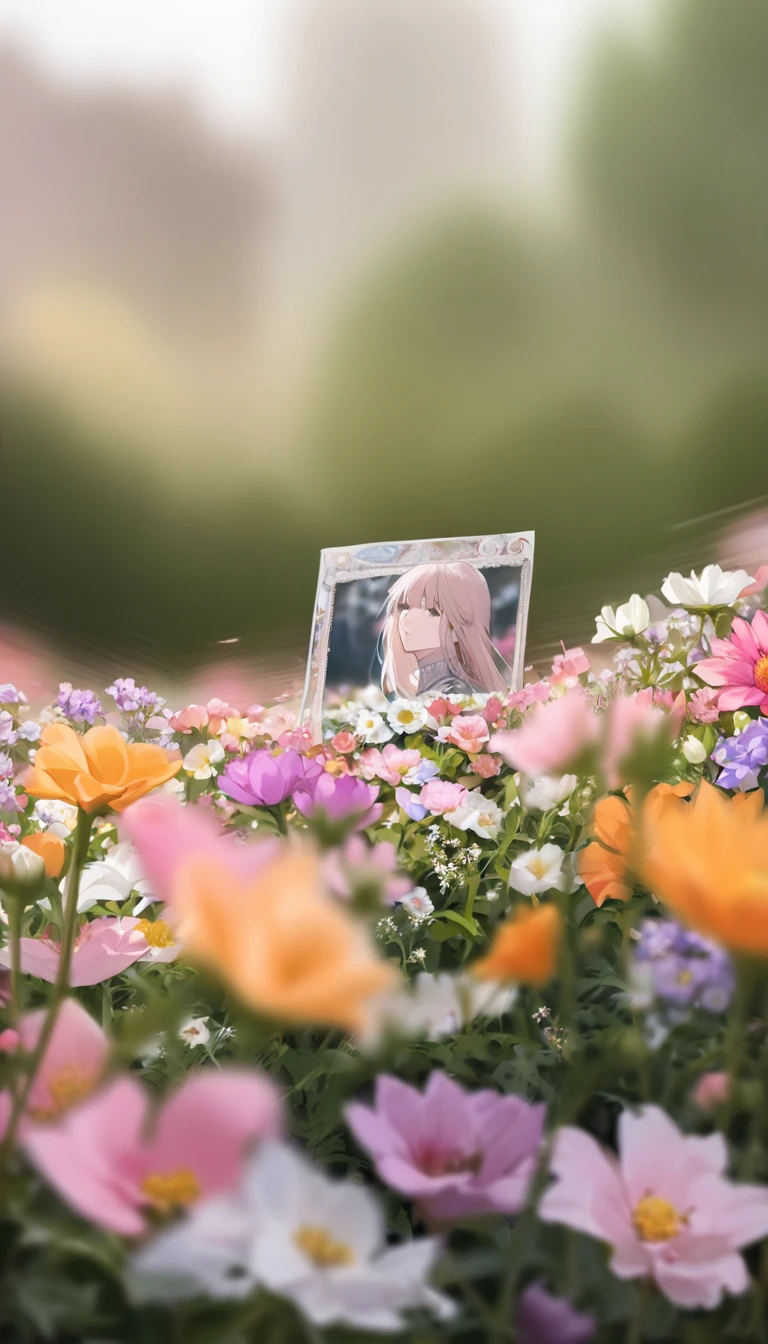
{"x": 594, "y": 370}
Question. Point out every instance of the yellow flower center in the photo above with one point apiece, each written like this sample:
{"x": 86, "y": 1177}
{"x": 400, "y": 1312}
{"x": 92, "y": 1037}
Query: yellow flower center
{"x": 407, "y": 716}
{"x": 684, "y": 977}
{"x": 761, "y": 674}
{"x": 65, "y": 1089}
{"x": 336, "y": 768}
{"x": 171, "y": 1190}
{"x": 156, "y": 932}
{"x": 538, "y": 866}
{"x": 322, "y": 1248}
{"x": 655, "y": 1219}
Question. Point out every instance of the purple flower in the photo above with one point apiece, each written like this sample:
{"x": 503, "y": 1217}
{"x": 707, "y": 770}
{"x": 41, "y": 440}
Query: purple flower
{"x": 358, "y": 866}
{"x": 342, "y": 799}
{"x": 6, "y": 766}
{"x": 424, "y": 772}
{"x": 30, "y": 730}
{"x": 79, "y": 706}
{"x": 742, "y": 757}
{"x": 8, "y": 801}
{"x": 544, "y": 1319}
{"x": 130, "y": 698}
{"x": 457, "y": 1153}
{"x": 263, "y": 780}
{"x": 9, "y": 695}
{"x": 686, "y": 968}
{"x": 410, "y": 804}
{"x": 7, "y": 732}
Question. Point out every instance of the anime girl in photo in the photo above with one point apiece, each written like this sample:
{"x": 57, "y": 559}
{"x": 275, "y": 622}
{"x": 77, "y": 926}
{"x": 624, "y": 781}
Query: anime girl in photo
{"x": 436, "y": 637}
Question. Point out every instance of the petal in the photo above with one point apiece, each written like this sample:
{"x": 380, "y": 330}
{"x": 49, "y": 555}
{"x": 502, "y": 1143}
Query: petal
{"x": 107, "y": 754}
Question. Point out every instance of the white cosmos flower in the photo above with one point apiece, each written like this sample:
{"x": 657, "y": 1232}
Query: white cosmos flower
{"x": 320, "y": 1243}
{"x": 406, "y": 716}
{"x": 547, "y": 792}
{"x": 477, "y": 814}
{"x": 372, "y": 728}
{"x": 417, "y": 903}
{"x": 713, "y": 587}
{"x": 537, "y": 870}
{"x": 201, "y": 761}
{"x": 630, "y": 619}
{"x": 434, "y": 1007}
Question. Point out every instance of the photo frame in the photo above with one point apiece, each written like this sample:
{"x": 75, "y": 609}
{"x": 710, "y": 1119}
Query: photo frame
{"x": 349, "y": 644}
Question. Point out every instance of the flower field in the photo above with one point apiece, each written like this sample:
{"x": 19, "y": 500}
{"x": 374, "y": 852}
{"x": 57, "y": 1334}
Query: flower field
{"x": 453, "y": 1026}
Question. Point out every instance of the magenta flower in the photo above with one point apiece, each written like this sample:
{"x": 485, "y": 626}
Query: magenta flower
{"x": 344, "y": 799}
{"x": 456, "y": 1153}
{"x": 103, "y": 948}
{"x": 740, "y": 665}
{"x": 116, "y": 1161}
{"x": 439, "y": 795}
{"x": 72, "y": 1064}
{"x": 664, "y": 1206}
{"x": 541, "y": 1318}
{"x": 263, "y": 780}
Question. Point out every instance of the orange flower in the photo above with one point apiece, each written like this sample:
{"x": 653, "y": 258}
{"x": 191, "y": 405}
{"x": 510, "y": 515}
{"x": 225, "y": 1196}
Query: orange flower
{"x": 50, "y": 848}
{"x": 709, "y": 864}
{"x": 99, "y": 772}
{"x": 604, "y": 866}
{"x": 524, "y": 947}
{"x": 284, "y": 947}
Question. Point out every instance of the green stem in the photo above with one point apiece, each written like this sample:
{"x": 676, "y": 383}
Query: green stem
{"x": 61, "y": 984}
{"x": 637, "y": 1324}
{"x": 504, "y": 1329}
{"x": 735, "y": 1039}
{"x": 14, "y": 907}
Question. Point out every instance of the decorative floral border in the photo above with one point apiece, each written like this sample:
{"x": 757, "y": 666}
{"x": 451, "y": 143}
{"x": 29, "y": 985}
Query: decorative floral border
{"x": 342, "y": 564}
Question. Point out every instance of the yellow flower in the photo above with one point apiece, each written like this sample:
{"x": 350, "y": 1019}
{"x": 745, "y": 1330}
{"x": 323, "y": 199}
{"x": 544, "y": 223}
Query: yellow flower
{"x": 99, "y": 772}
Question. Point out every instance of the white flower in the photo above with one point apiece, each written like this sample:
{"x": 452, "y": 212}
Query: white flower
{"x": 55, "y": 816}
{"x": 434, "y": 1006}
{"x": 30, "y": 730}
{"x": 374, "y": 698}
{"x": 694, "y": 751}
{"x": 713, "y": 587}
{"x": 630, "y": 619}
{"x": 113, "y": 878}
{"x": 27, "y": 866}
{"x": 201, "y": 760}
{"x": 406, "y": 716}
{"x": 417, "y": 903}
{"x": 537, "y": 870}
{"x": 320, "y": 1243}
{"x": 372, "y": 728}
{"x": 548, "y": 791}
{"x": 195, "y": 1031}
{"x": 477, "y": 814}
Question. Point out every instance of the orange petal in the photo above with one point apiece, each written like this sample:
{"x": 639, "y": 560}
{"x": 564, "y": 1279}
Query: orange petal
{"x": 50, "y": 848}
{"x": 107, "y": 753}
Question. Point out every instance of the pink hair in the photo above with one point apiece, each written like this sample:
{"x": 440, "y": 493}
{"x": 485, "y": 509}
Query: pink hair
{"x": 460, "y": 593}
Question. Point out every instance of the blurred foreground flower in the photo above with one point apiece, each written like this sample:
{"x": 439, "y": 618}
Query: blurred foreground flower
{"x": 71, "y": 1066}
{"x": 524, "y": 948}
{"x": 318, "y": 1242}
{"x": 665, "y": 1207}
{"x": 541, "y": 1318}
{"x": 456, "y": 1154}
{"x": 707, "y": 862}
{"x": 434, "y": 1007}
{"x": 116, "y": 1165}
{"x": 605, "y": 865}
{"x": 99, "y": 771}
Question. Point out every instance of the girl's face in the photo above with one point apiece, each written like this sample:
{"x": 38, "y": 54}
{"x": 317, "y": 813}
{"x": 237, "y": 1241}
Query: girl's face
{"x": 419, "y": 627}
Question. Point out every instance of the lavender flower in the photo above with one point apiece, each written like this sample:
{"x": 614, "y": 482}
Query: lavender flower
{"x": 8, "y": 733}
{"x": 79, "y": 706}
{"x": 686, "y": 969}
{"x": 742, "y": 757}
{"x": 9, "y": 695}
{"x": 6, "y": 766}
{"x": 544, "y": 1319}
{"x": 30, "y": 730}
{"x": 8, "y": 801}
{"x": 130, "y": 698}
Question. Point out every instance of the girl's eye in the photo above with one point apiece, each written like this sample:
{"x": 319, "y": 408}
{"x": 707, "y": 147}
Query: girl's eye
{"x": 432, "y": 611}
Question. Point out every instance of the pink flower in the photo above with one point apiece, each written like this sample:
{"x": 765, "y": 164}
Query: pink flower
{"x": 115, "y": 1160}
{"x": 552, "y": 737}
{"x": 711, "y": 1091}
{"x": 218, "y": 713}
{"x": 359, "y": 867}
{"x": 72, "y": 1064}
{"x": 632, "y": 720}
{"x": 456, "y": 1153}
{"x": 568, "y": 666}
{"x": 740, "y": 665}
{"x": 278, "y": 720}
{"x": 369, "y": 764}
{"x": 338, "y": 800}
{"x": 702, "y": 706}
{"x": 486, "y": 766}
{"x": 759, "y": 583}
{"x": 439, "y": 796}
{"x": 395, "y": 764}
{"x": 532, "y": 693}
{"x": 103, "y": 948}
{"x": 194, "y": 717}
{"x": 664, "y": 1206}
{"x": 441, "y": 708}
{"x": 468, "y": 731}
{"x": 344, "y": 742}
{"x": 492, "y": 710}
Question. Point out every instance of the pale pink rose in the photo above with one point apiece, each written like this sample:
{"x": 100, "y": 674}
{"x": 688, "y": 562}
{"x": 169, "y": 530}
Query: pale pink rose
{"x": 194, "y": 717}
{"x": 218, "y": 713}
{"x": 470, "y": 732}
{"x": 344, "y": 742}
{"x": 438, "y": 796}
{"x": 369, "y": 764}
{"x": 711, "y": 1091}
{"x": 702, "y": 706}
{"x": 569, "y": 665}
{"x": 486, "y": 766}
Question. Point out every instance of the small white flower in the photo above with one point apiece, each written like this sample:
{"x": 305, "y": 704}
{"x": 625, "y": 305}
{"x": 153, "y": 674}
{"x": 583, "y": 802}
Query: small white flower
{"x": 195, "y": 1031}
{"x": 626, "y": 621}
{"x": 374, "y": 698}
{"x": 406, "y": 716}
{"x": 548, "y": 791}
{"x": 537, "y": 870}
{"x": 694, "y": 751}
{"x": 477, "y": 814}
{"x": 372, "y": 728}
{"x": 713, "y": 587}
{"x": 30, "y": 730}
{"x": 417, "y": 903}
{"x": 434, "y": 1007}
{"x": 55, "y": 816}
{"x": 201, "y": 761}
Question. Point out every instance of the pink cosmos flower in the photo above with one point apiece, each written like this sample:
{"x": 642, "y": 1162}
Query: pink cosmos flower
{"x": 568, "y": 666}
{"x": 468, "y": 731}
{"x": 456, "y": 1153}
{"x": 439, "y": 796}
{"x": 194, "y": 717}
{"x": 116, "y": 1161}
{"x": 358, "y": 866}
{"x": 664, "y": 1206}
{"x": 103, "y": 948}
{"x": 72, "y": 1064}
{"x": 740, "y": 665}
{"x": 344, "y": 742}
{"x": 552, "y": 736}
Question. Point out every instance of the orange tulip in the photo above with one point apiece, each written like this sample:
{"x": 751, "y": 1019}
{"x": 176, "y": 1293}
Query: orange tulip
{"x": 99, "y": 772}
{"x": 709, "y": 864}
{"x": 280, "y": 943}
{"x": 50, "y": 848}
{"x": 604, "y": 866}
{"x": 524, "y": 947}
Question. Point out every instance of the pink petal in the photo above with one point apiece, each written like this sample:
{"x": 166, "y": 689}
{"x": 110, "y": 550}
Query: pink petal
{"x": 374, "y": 1133}
{"x": 735, "y": 697}
{"x": 759, "y": 630}
{"x": 105, "y": 949}
{"x": 37, "y": 958}
{"x": 589, "y": 1194}
{"x": 77, "y": 1043}
{"x": 701, "y": 1285}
